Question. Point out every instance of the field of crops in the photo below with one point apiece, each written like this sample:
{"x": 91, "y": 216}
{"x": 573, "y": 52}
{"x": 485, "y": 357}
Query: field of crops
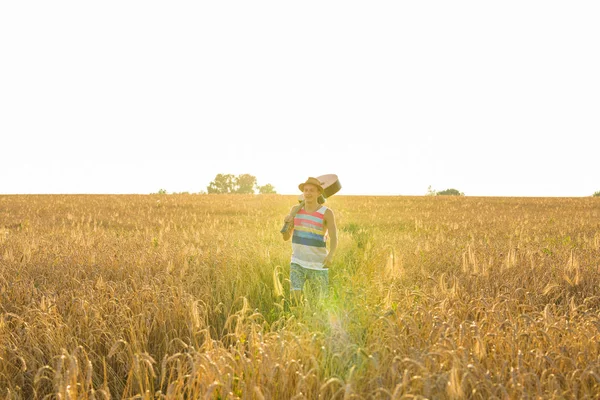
{"x": 184, "y": 296}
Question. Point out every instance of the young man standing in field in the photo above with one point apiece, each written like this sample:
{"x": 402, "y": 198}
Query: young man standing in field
{"x": 312, "y": 224}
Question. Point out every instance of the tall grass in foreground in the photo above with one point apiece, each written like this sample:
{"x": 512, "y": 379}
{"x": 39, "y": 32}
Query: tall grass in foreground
{"x": 181, "y": 297}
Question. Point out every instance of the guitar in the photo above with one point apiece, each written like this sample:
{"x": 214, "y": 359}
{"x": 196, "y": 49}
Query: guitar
{"x": 330, "y": 184}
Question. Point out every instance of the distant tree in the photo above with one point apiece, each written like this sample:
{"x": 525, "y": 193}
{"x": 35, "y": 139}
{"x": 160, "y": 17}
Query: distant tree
{"x": 245, "y": 184}
{"x": 266, "y": 189}
{"x": 223, "y": 183}
{"x": 430, "y": 191}
{"x": 162, "y": 191}
{"x": 597, "y": 194}
{"x": 450, "y": 192}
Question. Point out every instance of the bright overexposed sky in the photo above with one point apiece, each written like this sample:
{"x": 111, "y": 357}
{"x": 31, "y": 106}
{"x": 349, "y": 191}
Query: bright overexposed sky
{"x": 492, "y": 98}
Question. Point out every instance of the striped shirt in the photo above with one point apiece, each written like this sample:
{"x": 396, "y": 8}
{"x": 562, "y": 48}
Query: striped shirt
{"x": 308, "y": 240}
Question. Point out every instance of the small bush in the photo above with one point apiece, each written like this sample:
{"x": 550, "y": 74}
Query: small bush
{"x": 450, "y": 192}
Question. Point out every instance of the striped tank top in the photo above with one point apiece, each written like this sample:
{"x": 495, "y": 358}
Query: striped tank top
{"x": 308, "y": 241}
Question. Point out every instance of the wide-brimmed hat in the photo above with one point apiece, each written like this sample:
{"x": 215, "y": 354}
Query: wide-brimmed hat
{"x": 311, "y": 181}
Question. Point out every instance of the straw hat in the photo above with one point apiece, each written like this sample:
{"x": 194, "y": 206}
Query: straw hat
{"x": 312, "y": 181}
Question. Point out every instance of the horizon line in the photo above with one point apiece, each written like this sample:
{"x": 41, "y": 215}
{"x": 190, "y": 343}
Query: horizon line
{"x": 288, "y": 194}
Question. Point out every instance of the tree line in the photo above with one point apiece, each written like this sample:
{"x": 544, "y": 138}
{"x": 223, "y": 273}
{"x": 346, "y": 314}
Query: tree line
{"x": 243, "y": 184}
{"x": 447, "y": 192}
{"x": 248, "y": 184}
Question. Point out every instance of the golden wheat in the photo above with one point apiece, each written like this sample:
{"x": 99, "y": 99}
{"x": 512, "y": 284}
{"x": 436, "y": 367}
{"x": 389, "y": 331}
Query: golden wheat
{"x": 184, "y": 296}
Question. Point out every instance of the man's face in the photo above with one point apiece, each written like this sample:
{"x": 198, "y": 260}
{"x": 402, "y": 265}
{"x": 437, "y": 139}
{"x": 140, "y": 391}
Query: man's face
{"x": 310, "y": 192}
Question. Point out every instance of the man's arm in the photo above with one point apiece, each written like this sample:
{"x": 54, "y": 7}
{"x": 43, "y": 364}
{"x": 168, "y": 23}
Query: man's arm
{"x": 290, "y": 218}
{"x": 332, "y": 231}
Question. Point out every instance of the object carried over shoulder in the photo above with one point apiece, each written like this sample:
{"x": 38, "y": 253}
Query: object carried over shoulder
{"x": 330, "y": 184}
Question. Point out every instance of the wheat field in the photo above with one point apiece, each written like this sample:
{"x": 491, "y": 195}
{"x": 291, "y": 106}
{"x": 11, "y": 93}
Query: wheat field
{"x": 185, "y": 297}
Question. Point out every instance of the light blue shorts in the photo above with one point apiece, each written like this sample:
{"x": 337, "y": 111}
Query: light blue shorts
{"x": 299, "y": 275}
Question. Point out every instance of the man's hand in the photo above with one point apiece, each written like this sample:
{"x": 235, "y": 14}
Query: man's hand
{"x": 289, "y": 221}
{"x": 290, "y": 217}
{"x": 328, "y": 260}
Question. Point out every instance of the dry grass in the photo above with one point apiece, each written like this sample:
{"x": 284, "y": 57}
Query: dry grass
{"x": 175, "y": 297}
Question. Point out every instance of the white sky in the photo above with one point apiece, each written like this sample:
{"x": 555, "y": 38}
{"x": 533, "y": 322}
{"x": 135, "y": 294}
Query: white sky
{"x": 491, "y": 98}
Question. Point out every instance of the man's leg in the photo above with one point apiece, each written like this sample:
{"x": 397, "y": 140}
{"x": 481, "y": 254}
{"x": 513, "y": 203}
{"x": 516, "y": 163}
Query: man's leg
{"x": 297, "y": 279}
{"x": 323, "y": 282}
{"x": 319, "y": 282}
